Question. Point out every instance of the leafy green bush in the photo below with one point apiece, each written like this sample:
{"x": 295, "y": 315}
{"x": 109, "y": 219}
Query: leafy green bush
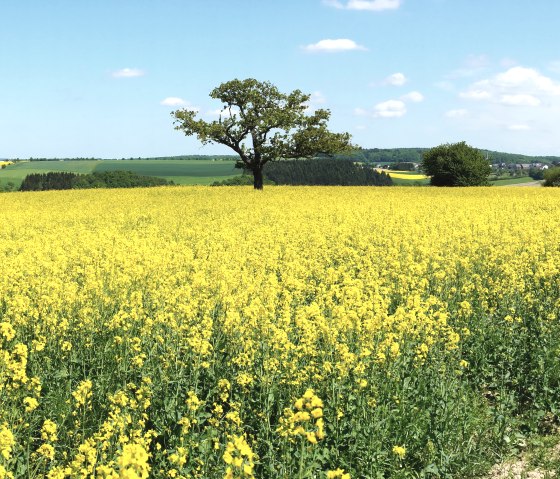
{"x": 552, "y": 177}
{"x": 456, "y": 164}
{"x": 241, "y": 180}
{"x": 536, "y": 174}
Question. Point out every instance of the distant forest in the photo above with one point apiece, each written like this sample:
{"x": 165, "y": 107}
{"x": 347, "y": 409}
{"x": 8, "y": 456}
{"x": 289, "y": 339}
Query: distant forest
{"x": 327, "y": 171}
{"x": 365, "y": 155}
{"x": 414, "y": 155}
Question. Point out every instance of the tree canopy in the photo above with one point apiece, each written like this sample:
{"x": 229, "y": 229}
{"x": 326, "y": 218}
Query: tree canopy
{"x": 261, "y": 124}
{"x": 456, "y": 164}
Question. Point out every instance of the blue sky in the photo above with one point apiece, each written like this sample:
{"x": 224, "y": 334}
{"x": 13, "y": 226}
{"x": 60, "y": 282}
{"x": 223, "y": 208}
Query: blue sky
{"x": 100, "y": 77}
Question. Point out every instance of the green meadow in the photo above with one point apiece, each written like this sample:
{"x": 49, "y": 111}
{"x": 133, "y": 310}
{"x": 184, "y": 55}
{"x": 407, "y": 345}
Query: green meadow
{"x": 183, "y": 172}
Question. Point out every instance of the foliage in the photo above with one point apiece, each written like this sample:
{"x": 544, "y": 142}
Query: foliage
{"x": 402, "y": 166}
{"x": 181, "y": 332}
{"x": 117, "y": 179}
{"x": 48, "y": 181}
{"x": 536, "y": 174}
{"x": 67, "y": 181}
{"x": 552, "y": 177}
{"x": 456, "y": 164}
{"x": 325, "y": 171}
{"x": 383, "y": 155}
{"x": 8, "y": 186}
{"x": 241, "y": 180}
{"x": 262, "y": 124}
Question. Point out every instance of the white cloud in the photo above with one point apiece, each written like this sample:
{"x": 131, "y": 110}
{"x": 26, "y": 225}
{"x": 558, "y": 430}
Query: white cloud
{"x": 338, "y": 45}
{"x": 520, "y": 100}
{"x": 519, "y": 127}
{"x": 517, "y": 86}
{"x": 390, "y": 109}
{"x": 413, "y": 96}
{"x": 476, "y": 94}
{"x": 527, "y": 78}
{"x": 371, "y": 5}
{"x": 173, "y": 101}
{"x": 128, "y": 73}
{"x": 459, "y": 113}
{"x": 396, "y": 79}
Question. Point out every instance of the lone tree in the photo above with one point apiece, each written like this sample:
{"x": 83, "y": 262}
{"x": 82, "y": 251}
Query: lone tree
{"x": 456, "y": 164}
{"x": 261, "y": 124}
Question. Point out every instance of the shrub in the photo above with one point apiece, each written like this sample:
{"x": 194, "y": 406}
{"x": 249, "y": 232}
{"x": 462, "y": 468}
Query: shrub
{"x": 456, "y": 164}
{"x": 552, "y": 177}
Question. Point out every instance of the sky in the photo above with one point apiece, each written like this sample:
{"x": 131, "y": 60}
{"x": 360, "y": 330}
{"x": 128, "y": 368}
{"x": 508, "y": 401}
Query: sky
{"x": 100, "y": 78}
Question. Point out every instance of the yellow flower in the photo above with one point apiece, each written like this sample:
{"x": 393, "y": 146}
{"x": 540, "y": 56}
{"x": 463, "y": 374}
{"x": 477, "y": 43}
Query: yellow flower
{"x": 48, "y": 431}
{"x": 133, "y": 462}
{"x": 7, "y": 442}
{"x": 7, "y": 330}
{"x": 338, "y": 473}
{"x": 399, "y": 451}
{"x": 82, "y": 394}
{"x": 4, "y": 474}
{"x": 47, "y": 451}
{"x": 30, "y": 404}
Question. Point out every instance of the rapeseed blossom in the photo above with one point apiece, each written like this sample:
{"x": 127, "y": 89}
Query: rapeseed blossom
{"x": 211, "y": 332}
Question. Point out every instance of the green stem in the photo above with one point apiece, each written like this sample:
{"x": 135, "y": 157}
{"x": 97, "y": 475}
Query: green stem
{"x": 301, "y": 459}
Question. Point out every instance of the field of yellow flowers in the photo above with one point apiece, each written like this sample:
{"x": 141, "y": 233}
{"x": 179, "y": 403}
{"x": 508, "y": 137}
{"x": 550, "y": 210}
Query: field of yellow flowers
{"x": 311, "y": 332}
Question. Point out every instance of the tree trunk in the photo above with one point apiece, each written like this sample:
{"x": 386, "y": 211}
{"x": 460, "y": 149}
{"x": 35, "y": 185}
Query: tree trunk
{"x": 258, "y": 178}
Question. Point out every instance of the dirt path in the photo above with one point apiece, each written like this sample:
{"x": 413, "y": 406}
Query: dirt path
{"x": 529, "y": 183}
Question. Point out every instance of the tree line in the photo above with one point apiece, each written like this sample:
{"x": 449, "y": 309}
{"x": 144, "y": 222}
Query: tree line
{"x": 326, "y": 171}
{"x": 108, "y": 179}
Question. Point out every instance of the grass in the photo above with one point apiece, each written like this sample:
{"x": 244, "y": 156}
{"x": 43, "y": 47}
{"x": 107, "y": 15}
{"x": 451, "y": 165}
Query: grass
{"x": 183, "y": 172}
{"x": 512, "y": 181}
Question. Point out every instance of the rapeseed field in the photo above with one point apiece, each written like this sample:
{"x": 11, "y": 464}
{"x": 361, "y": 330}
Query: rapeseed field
{"x": 309, "y": 332}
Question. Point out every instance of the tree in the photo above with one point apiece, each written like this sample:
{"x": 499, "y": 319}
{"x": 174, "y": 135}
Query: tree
{"x": 261, "y": 124}
{"x": 456, "y": 164}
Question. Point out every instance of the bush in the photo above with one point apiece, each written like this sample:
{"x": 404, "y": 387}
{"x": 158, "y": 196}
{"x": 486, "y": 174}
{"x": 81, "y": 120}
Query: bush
{"x": 456, "y": 164}
{"x": 9, "y": 186}
{"x": 536, "y": 173}
{"x": 552, "y": 177}
{"x": 402, "y": 166}
{"x": 241, "y": 180}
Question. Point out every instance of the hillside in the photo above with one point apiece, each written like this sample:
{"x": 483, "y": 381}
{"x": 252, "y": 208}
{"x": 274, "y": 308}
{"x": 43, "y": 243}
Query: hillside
{"x": 414, "y": 155}
{"x": 368, "y": 155}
